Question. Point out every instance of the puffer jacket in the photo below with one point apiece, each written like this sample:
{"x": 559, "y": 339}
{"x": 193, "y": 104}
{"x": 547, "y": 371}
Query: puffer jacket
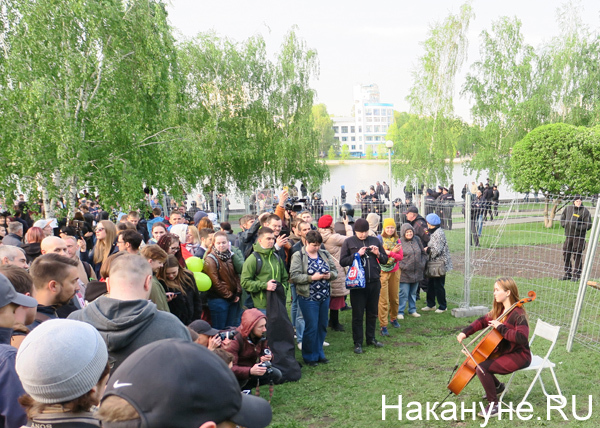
{"x": 412, "y": 265}
{"x": 222, "y": 274}
{"x": 333, "y": 244}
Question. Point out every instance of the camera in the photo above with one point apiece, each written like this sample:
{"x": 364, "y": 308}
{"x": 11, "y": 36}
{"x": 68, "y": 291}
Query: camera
{"x": 230, "y": 334}
{"x": 268, "y": 365}
{"x": 368, "y": 250}
{"x": 295, "y": 204}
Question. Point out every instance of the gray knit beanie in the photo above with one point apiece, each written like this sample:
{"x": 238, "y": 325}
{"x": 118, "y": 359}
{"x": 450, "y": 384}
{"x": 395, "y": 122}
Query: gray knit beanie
{"x": 61, "y": 360}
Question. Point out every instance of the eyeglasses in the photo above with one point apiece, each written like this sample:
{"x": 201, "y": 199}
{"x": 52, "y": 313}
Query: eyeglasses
{"x": 175, "y": 248}
{"x": 99, "y": 229}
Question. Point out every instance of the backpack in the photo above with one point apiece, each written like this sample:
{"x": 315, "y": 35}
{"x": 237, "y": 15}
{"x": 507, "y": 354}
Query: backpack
{"x": 259, "y": 261}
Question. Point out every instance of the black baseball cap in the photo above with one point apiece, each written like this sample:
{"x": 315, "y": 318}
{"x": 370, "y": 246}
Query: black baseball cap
{"x": 412, "y": 209}
{"x": 202, "y": 327}
{"x": 178, "y": 384}
{"x": 9, "y": 295}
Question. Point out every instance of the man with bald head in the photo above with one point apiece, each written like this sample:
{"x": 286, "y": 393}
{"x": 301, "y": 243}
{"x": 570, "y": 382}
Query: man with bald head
{"x": 126, "y": 319}
{"x": 54, "y": 244}
{"x": 55, "y": 283}
{"x": 11, "y": 255}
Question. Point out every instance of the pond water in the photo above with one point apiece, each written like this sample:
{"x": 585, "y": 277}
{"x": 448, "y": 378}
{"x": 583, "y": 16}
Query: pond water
{"x": 360, "y": 175}
{"x": 357, "y": 175}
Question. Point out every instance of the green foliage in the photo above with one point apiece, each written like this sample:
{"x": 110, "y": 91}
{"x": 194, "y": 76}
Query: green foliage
{"x": 331, "y": 153}
{"x": 97, "y": 95}
{"x": 323, "y": 127}
{"x": 369, "y": 151}
{"x": 345, "y": 152}
{"x": 557, "y": 158}
{"x": 516, "y": 88}
{"x": 381, "y": 151}
{"x": 427, "y": 138}
{"x": 499, "y": 83}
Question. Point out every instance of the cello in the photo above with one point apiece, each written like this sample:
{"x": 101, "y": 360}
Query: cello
{"x": 482, "y": 350}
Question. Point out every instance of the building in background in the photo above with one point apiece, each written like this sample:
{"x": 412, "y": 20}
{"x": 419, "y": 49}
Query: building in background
{"x": 370, "y": 122}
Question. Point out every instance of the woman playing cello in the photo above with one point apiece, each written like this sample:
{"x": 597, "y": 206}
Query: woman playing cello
{"x": 513, "y": 352}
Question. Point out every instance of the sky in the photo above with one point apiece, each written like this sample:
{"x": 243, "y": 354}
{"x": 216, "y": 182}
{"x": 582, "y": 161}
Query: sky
{"x": 364, "y": 42}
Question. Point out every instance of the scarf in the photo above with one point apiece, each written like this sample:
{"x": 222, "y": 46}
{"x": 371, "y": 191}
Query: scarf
{"x": 222, "y": 256}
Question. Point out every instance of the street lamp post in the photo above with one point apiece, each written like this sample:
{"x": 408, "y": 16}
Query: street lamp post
{"x": 390, "y": 144}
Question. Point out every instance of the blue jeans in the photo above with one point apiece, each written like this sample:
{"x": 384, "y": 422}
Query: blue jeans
{"x": 479, "y": 224}
{"x": 223, "y": 313}
{"x": 297, "y": 318}
{"x": 408, "y": 292}
{"x": 316, "y": 317}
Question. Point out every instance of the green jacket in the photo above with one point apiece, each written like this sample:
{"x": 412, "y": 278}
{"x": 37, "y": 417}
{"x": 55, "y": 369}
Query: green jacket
{"x": 158, "y": 295}
{"x": 272, "y": 268}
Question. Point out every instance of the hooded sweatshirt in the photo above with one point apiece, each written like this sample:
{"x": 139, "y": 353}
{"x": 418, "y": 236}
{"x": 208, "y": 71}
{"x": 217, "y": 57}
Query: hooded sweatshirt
{"x": 412, "y": 264}
{"x": 246, "y": 349}
{"x": 373, "y": 220}
{"x": 127, "y": 325}
{"x": 273, "y": 267}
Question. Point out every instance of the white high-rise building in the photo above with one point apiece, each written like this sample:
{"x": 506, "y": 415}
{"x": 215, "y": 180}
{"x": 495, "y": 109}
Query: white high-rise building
{"x": 370, "y": 122}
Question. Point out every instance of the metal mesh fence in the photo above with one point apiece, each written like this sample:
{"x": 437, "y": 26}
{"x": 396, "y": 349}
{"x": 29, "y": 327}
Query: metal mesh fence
{"x": 522, "y": 239}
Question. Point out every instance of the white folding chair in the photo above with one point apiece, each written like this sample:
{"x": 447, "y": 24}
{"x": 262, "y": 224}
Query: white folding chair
{"x": 550, "y": 333}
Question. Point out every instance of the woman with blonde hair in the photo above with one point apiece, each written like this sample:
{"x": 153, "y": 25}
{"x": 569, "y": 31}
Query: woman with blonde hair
{"x": 192, "y": 239}
{"x": 106, "y": 244}
{"x": 513, "y": 352}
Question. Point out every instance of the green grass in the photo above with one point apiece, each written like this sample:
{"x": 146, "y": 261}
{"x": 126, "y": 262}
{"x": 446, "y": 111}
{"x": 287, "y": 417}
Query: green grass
{"x": 416, "y": 363}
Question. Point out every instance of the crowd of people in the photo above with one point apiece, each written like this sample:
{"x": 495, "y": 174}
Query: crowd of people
{"x": 93, "y": 309}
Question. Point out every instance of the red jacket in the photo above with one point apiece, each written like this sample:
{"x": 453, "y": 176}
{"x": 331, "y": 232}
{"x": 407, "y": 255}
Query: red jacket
{"x": 244, "y": 349}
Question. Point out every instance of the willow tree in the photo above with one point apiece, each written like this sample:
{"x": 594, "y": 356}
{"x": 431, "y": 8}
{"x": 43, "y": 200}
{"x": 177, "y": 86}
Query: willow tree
{"x": 251, "y": 117}
{"x": 87, "y": 94}
{"x": 431, "y": 100}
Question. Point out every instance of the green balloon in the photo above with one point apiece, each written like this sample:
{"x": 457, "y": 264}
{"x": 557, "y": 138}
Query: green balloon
{"x": 203, "y": 281}
{"x": 195, "y": 264}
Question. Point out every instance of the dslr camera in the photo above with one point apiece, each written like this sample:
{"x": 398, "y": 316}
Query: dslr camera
{"x": 268, "y": 365}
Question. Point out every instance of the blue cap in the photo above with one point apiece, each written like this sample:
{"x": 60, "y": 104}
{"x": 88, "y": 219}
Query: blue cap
{"x": 433, "y": 219}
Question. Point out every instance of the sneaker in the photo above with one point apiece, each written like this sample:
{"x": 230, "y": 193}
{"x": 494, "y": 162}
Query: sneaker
{"x": 440, "y": 311}
{"x": 415, "y": 314}
{"x": 325, "y": 343}
{"x": 384, "y": 331}
{"x": 358, "y": 349}
{"x": 400, "y": 316}
{"x": 338, "y": 327}
{"x": 489, "y": 413}
{"x": 375, "y": 343}
{"x": 427, "y": 308}
{"x": 395, "y": 324}
{"x": 300, "y": 345}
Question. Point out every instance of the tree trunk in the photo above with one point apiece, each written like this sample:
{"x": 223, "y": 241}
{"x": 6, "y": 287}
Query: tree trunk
{"x": 549, "y": 216}
{"x": 72, "y": 197}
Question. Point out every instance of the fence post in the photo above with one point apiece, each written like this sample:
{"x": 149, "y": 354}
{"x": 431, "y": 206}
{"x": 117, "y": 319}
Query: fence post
{"x": 585, "y": 274}
{"x": 467, "y": 282}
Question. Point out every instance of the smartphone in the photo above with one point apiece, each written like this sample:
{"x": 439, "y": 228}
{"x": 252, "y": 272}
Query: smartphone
{"x": 345, "y": 217}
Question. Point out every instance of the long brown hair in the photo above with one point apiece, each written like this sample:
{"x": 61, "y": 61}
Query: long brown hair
{"x": 507, "y": 284}
{"x": 181, "y": 281}
{"x": 103, "y": 247}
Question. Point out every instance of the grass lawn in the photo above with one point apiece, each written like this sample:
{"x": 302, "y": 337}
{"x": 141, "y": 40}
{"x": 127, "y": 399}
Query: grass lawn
{"x": 416, "y": 363}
